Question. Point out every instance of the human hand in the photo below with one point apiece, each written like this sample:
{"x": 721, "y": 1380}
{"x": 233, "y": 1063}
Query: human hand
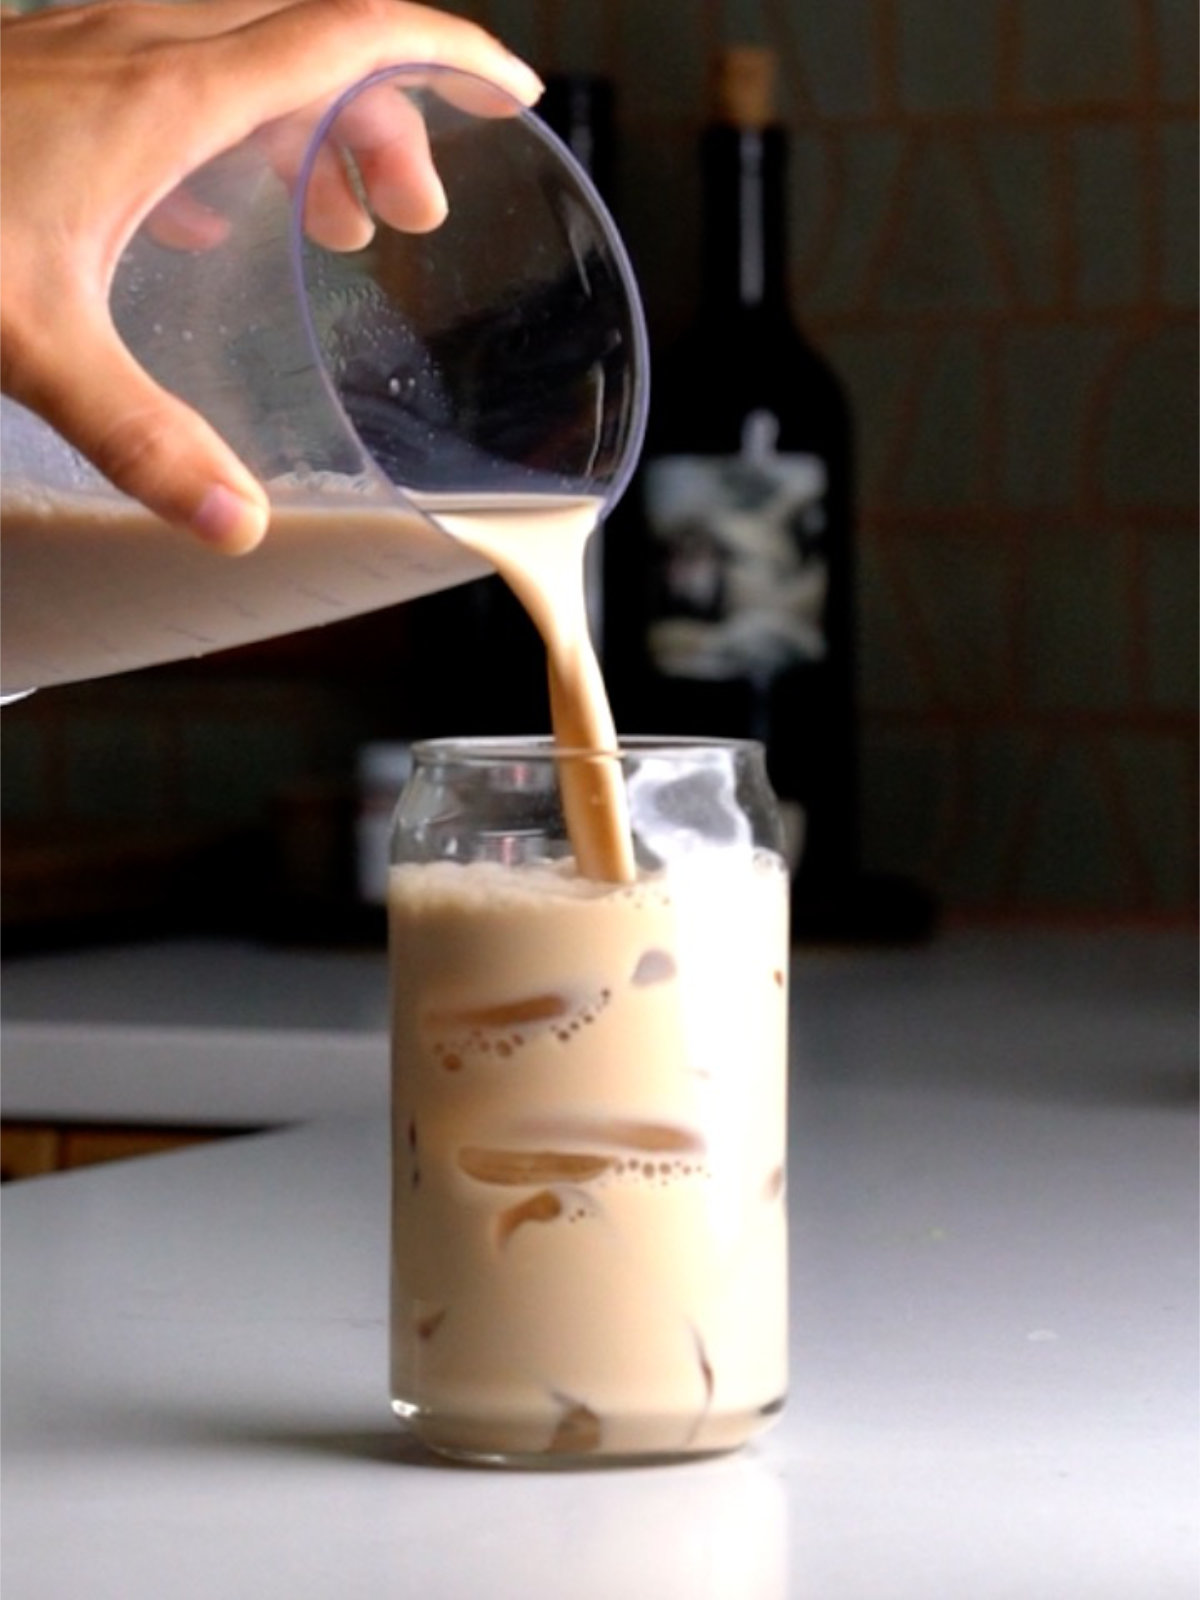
{"x": 106, "y": 108}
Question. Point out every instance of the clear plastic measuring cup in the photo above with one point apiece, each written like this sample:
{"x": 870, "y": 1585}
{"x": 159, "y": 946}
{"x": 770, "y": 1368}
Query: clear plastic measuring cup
{"x": 370, "y": 382}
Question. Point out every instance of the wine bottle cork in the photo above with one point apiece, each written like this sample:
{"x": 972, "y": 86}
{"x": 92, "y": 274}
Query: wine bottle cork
{"x": 743, "y": 86}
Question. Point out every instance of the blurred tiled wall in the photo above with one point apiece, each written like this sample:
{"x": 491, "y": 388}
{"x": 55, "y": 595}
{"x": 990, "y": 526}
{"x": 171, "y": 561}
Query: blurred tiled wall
{"x": 994, "y": 226}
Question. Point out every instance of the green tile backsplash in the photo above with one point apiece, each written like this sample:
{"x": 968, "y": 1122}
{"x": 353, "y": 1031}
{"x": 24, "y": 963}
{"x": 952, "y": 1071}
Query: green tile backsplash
{"x": 994, "y": 231}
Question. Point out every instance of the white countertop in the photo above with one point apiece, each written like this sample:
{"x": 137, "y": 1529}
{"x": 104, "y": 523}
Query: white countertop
{"x": 203, "y": 1032}
{"x": 994, "y": 1218}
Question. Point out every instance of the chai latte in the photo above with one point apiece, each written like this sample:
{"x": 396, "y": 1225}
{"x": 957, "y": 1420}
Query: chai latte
{"x": 589, "y": 1228}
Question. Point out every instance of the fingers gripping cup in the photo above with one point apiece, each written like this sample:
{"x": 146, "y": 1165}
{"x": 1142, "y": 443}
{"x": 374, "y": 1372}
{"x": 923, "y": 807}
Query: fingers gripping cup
{"x": 589, "y": 1082}
{"x": 409, "y": 304}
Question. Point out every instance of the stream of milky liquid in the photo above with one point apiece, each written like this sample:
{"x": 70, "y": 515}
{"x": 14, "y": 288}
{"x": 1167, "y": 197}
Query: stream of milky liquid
{"x": 538, "y": 548}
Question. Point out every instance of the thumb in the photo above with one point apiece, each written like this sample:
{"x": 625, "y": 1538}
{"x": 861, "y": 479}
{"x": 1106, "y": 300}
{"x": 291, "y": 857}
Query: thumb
{"x": 145, "y": 440}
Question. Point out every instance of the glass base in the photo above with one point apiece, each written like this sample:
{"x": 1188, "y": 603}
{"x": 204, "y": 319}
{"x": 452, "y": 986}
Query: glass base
{"x": 526, "y": 1444}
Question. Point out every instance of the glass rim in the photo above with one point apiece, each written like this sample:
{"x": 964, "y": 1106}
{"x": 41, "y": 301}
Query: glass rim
{"x": 542, "y": 747}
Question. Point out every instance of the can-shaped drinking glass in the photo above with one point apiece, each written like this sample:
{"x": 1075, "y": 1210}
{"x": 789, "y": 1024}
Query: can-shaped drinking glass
{"x": 589, "y": 1227}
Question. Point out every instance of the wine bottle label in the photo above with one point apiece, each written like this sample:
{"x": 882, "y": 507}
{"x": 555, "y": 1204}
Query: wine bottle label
{"x": 738, "y": 549}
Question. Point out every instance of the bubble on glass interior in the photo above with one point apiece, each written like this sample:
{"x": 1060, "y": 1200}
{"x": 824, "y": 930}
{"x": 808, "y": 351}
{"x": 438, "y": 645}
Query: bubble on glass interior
{"x": 676, "y": 813}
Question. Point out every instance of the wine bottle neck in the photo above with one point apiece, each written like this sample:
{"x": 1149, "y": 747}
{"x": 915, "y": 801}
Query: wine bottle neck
{"x": 745, "y": 245}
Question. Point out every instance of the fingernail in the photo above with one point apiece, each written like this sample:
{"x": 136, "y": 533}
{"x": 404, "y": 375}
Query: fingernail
{"x": 227, "y": 519}
{"x": 534, "y": 87}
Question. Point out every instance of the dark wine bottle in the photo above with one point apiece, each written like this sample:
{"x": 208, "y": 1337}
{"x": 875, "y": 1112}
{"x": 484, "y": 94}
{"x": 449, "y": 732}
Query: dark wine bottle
{"x": 739, "y": 570}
